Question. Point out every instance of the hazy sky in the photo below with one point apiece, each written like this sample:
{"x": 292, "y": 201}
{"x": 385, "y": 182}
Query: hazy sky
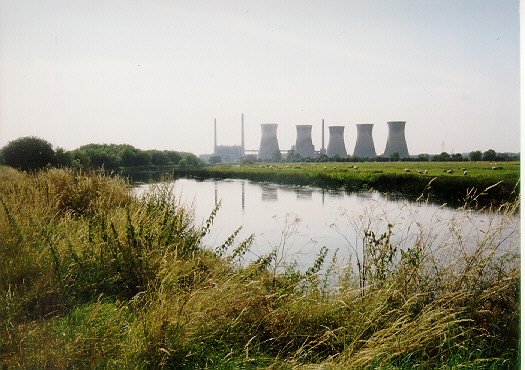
{"x": 155, "y": 74}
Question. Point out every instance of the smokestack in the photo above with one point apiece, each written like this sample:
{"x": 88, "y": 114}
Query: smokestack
{"x": 396, "y": 141}
{"x": 323, "y": 149}
{"x": 364, "y": 145}
{"x": 336, "y": 141}
{"x": 303, "y": 143}
{"x": 269, "y": 143}
{"x": 242, "y": 134}
{"x": 215, "y": 136}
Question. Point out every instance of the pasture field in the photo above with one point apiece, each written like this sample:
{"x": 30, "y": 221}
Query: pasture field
{"x": 411, "y": 179}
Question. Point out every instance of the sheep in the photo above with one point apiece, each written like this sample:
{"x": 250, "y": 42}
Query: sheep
{"x": 463, "y": 169}
{"x": 425, "y": 172}
{"x": 355, "y": 167}
{"x": 494, "y": 167}
{"x": 334, "y": 168}
{"x": 419, "y": 171}
{"x": 407, "y": 170}
{"x": 450, "y": 171}
{"x": 324, "y": 167}
{"x": 465, "y": 172}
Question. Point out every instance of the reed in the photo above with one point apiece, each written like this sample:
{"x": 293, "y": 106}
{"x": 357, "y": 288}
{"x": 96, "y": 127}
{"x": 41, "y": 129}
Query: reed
{"x": 93, "y": 276}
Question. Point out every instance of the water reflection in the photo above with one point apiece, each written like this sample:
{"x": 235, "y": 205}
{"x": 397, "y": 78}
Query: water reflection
{"x": 363, "y": 195}
{"x": 335, "y": 219}
{"x": 268, "y": 192}
{"x": 304, "y": 194}
{"x": 242, "y": 196}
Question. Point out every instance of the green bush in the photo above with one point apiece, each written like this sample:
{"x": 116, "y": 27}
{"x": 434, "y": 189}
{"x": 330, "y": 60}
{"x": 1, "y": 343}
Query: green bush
{"x": 28, "y": 154}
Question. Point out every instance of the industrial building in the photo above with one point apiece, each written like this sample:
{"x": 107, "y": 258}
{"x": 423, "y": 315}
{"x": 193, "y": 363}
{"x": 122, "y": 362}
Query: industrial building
{"x": 229, "y": 153}
{"x": 269, "y": 144}
{"x": 396, "y": 141}
{"x": 336, "y": 141}
{"x": 364, "y": 145}
{"x": 303, "y": 143}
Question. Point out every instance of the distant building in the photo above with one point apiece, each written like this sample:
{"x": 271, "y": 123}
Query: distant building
{"x": 230, "y": 153}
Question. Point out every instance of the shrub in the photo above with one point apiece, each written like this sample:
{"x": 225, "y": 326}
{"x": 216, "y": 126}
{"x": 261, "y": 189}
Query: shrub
{"x": 28, "y": 153}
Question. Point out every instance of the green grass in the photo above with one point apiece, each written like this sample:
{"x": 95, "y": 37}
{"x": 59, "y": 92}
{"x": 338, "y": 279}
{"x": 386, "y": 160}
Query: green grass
{"x": 93, "y": 277}
{"x": 390, "y": 177}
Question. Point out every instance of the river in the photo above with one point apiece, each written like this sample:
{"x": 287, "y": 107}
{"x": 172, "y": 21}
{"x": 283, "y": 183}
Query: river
{"x": 300, "y": 220}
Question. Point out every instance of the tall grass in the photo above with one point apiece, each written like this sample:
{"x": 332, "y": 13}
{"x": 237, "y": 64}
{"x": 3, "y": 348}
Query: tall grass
{"x": 91, "y": 276}
{"x": 385, "y": 177}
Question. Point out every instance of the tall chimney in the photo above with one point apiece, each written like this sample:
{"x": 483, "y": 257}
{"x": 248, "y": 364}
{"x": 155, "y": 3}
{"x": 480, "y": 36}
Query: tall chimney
{"x": 336, "y": 141}
{"x": 269, "y": 143}
{"x": 396, "y": 141}
{"x": 215, "y": 136}
{"x": 364, "y": 145}
{"x": 323, "y": 149}
{"x": 242, "y": 134}
{"x": 303, "y": 143}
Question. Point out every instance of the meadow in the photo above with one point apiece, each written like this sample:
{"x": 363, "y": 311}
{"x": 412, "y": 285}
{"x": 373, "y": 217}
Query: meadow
{"x": 441, "y": 182}
{"x": 91, "y": 276}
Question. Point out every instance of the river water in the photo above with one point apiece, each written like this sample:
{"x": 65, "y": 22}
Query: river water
{"x": 299, "y": 220}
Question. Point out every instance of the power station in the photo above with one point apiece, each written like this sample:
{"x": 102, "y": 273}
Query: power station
{"x": 304, "y": 147}
{"x": 336, "y": 141}
{"x": 269, "y": 143}
{"x": 303, "y": 143}
{"x": 364, "y": 144}
{"x": 229, "y": 153}
{"x": 396, "y": 141}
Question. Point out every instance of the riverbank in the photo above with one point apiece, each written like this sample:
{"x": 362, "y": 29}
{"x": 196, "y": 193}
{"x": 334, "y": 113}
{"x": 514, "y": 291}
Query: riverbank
{"x": 93, "y": 277}
{"x": 440, "y": 182}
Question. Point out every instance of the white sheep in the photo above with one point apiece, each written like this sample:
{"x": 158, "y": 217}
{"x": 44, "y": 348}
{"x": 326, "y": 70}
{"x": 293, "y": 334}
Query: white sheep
{"x": 465, "y": 172}
{"x": 425, "y": 172}
{"x": 407, "y": 170}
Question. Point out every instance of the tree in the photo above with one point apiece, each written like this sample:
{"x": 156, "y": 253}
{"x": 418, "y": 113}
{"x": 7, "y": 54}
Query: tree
{"x": 214, "y": 159}
{"x": 489, "y": 155}
{"x": 158, "y": 158}
{"x": 394, "y": 157}
{"x": 190, "y": 160}
{"x": 63, "y": 158}
{"x": 443, "y": 157}
{"x": 28, "y": 153}
{"x": 423, "y": 157}
{"x": 293, "y": 156}
{"x": 458, "y": 157}
{"x": 475, "y": 155}
{"x": 277, "y": 156}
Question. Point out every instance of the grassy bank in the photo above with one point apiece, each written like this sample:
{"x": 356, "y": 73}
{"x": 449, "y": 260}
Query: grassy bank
{"x": 390, "y": 177}
{"x": 90, "y": 276}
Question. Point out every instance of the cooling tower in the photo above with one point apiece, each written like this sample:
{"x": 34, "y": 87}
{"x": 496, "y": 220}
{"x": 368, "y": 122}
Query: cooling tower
{"x": 364, "y": 145}
{"x": 396, "y": 139}
{"x": 269, "y": 143}
{"x": 303, "y": 143}
{"x": 336, "y": 141}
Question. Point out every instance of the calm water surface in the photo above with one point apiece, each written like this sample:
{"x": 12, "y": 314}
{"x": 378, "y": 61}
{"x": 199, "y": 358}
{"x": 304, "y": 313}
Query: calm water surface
{"x": 302, "y": 220}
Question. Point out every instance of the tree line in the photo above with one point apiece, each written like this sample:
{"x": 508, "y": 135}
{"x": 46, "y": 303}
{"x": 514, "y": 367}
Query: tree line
{"x": 292, "y": 156}
{"x": 29, "y": 153}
